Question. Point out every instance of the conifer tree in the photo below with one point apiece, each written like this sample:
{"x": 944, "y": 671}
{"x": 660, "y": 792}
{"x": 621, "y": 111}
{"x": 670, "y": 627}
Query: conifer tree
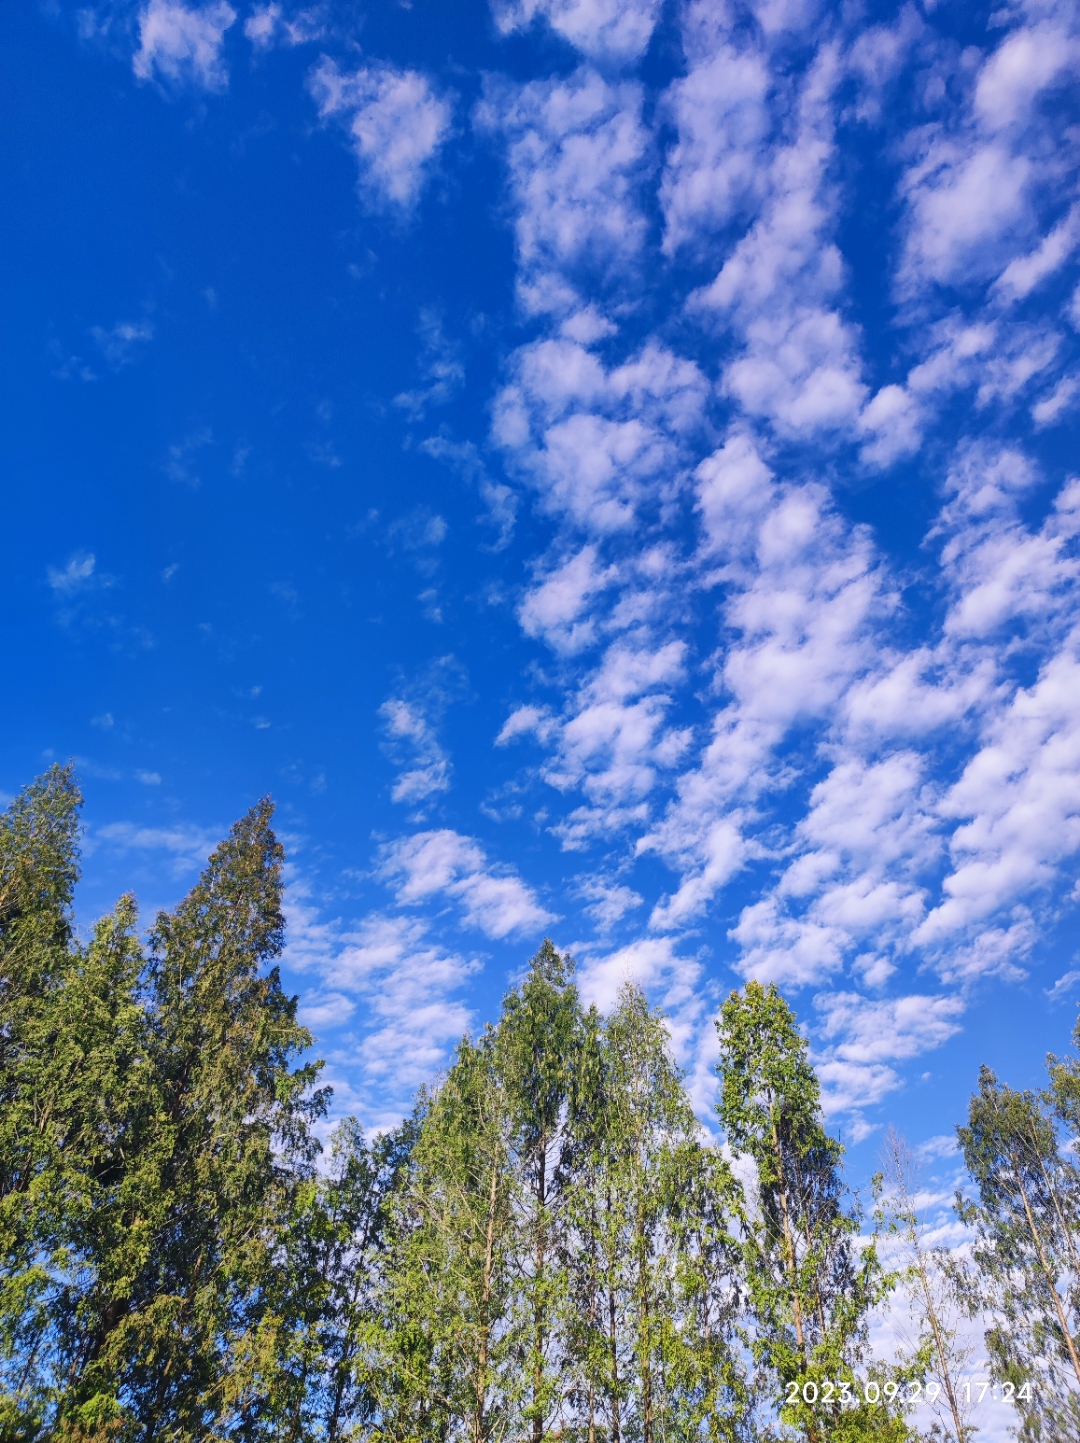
{"x": 45, "y": 1098}
{"x": 38, "y": 872}
{"x": 809, "y": 1289}
{"x": 203, "y": 1188}
{"x": 1026, "y": 1226}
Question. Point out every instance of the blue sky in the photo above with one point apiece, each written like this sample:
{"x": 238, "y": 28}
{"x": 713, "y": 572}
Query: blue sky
{"x": 604, "y": 466}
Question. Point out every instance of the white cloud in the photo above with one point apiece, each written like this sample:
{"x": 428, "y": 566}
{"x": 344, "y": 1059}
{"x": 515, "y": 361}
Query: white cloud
{"x": 189, "y": 846}
{"x": 500, "y": 500}
{"x": 183, "y": 45}
{"x": 268, "y": 26}
{"x": 1059, "y": 402}
{"x": 77, "y": 575}
{"x": 862, "y": 1031}
{"x": 805, "y": 597}
{"x": 601, "y": 29}
{"x": 1018, "y": 801}
{"x": 973, "y": 183}
{"x": 969, "y": 207}
{"x": 440, "y": 365}
{"x": 410, "y": 733}
{"x": 118, "y": 344}
{"x": 1027, "y": 63}
{"x": 386, "y": 1003}
{"x": 611, "y": 741}
{"x": 608, "y": 901}
{"x": 716, "y": 169}
{"x": 396, "y": 121}
{"x": 493, "y": 899}
{"x": 1001, "y": 570}
{"x": 798, "y": 366}
{"x": 877, "y": 56}
{"x": 574, "y": 149}
{"x": 601, "y": 446}
{"x": 1024, "y": 273}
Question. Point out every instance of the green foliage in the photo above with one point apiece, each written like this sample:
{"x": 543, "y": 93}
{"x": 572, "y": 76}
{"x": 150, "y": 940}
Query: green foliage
{"x": 536, "y": 1045}
{"x": 549, "y": 1248}
{"x": 1026, "y": 1227}
{"x": 810, "y": 1287}
{"x": 444, "y": 1355}
{"x": 153, "y": 1137}
{"x": 652, "y": 1208}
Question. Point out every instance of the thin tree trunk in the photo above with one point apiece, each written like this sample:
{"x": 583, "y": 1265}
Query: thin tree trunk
{"x": 939, "y": 1344}
{"x": 1051, "y": 1281}
{"x": 479, "y": 1427}
{"x": 789, "y": 1246}
{"x": 538, "y": 1310}
{"x": 645, "y": 1344}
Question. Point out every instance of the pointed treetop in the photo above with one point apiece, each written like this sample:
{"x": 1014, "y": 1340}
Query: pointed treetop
{"x": 550, "y": 965}
{"x": 236, "y": 903}
{"x": 39, "y": 861}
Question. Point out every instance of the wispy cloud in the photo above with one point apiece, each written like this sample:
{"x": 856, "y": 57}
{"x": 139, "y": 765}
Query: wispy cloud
{"x": 396, "y": 121}
{"x": 491, "y": 898}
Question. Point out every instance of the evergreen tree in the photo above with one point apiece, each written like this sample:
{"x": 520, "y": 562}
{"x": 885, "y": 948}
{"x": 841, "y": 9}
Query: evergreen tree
{"x": 809, "y": 1289}
{"x": 202, "y": 1187}
{"x": 1026, "y": 1227}
{"x": 61, "y": 1083}
{"x": 38, "y": 871}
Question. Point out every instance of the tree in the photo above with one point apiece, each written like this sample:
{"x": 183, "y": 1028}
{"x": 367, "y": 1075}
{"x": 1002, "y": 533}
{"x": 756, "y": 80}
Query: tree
{"x": 536, "y": 1043}
{"x": 445, "y": 1356}
{"x": 652, "y": 1254}
{"x": 1026, "y": 1228}
{"x": 71, "y": 1039}
{"x": 810, "y": 1290}
{"x": 175, "y": 1321}
{"x": 931, "y": 1291}
{"x": 326, "y": 1289}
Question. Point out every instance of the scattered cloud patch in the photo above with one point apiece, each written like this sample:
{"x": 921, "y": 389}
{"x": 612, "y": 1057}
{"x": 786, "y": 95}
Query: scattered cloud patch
{"x": 396, "y": 123}
{"x": 617, "y": 30}
{"x": 491, "y": 898}
{"x": 184, "y": 45}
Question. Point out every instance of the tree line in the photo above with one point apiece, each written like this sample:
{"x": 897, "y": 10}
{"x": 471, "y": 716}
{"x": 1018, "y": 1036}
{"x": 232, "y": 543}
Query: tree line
{"x": 549, "y": 1247}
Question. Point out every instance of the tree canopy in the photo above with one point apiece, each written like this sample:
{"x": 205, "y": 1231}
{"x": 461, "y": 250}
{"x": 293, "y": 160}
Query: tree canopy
{"x": 553, "y": 1245}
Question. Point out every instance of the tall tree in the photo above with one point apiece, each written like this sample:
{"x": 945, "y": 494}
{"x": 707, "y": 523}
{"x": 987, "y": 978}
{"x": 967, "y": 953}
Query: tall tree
{"x": 653, "y": 1255}
{"x": 445, "y": 1361}
{"x": 536, "y": 1043}
{"x": 931, "y": 1291}
{"x": 39, "y": 867}
{"x": 325, "y": 1293}
{"x": 202, "y": 1191}
{"x": 810, "y": 1288}
{"x": 1025, "y": 1221}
